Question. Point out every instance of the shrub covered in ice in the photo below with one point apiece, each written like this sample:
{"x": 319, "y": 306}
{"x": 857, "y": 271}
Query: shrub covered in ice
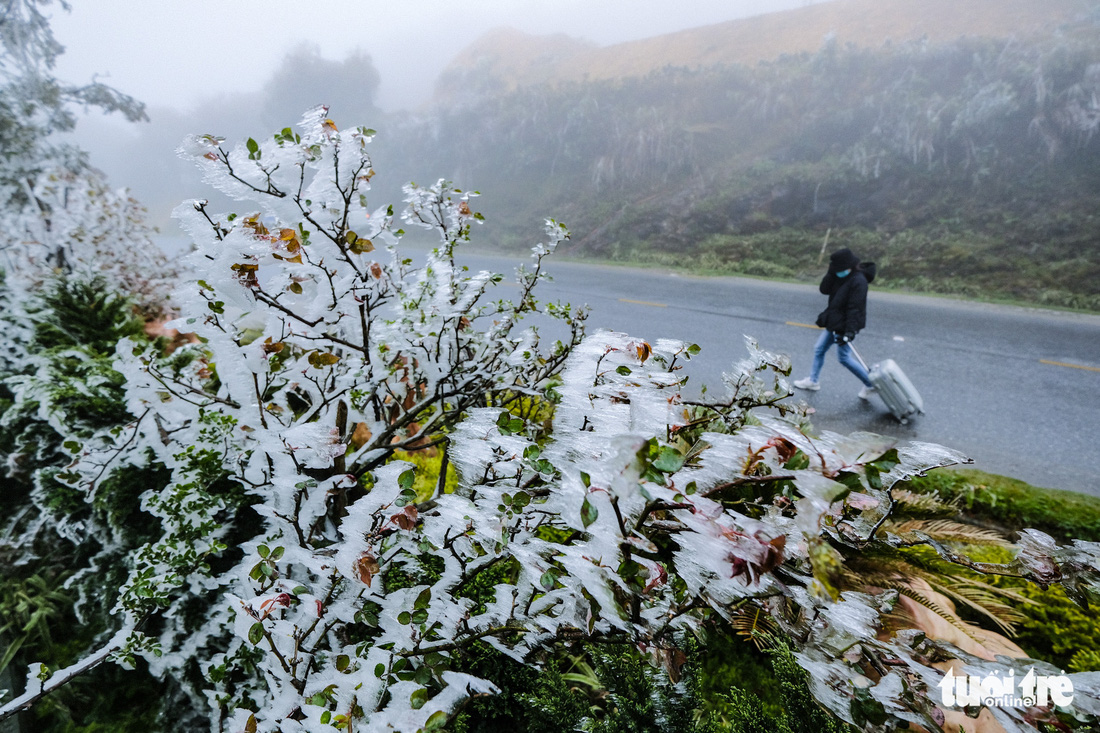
{"x": 334, "y": 595}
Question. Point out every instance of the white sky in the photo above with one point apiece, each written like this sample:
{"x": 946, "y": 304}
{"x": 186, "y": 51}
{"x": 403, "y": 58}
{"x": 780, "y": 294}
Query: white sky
{"x": 176, "y": 52}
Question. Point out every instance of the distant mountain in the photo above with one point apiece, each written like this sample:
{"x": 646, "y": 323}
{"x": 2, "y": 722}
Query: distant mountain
{"x": 505, "y": 58}
{"x": 954, "y": 142}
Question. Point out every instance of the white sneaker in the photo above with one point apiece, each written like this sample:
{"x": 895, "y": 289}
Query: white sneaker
{"x": 866, "y": 392}
{"x": 807, "y": 383}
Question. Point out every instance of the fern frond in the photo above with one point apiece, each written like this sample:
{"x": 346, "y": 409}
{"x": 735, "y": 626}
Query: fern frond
{"x": 977, "y": 597}
{"x": 948, "y": 530}
{"x": 756, "y": 625}
{"x": 910, "y": 502}
{"x": 918, "y": 597}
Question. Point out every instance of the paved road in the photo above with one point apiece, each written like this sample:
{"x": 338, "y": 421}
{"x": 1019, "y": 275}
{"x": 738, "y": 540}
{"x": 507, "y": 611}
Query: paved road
{"x": 1017, "y": 389}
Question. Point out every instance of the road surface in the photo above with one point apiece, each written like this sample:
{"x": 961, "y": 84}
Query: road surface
{"x": 1017, "y": 389}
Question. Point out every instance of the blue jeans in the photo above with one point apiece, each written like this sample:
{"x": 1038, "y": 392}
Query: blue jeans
{"x": 844, "y": 354}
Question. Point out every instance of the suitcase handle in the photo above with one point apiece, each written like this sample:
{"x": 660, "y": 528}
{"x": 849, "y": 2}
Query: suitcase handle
{"x": 860, "y": 358}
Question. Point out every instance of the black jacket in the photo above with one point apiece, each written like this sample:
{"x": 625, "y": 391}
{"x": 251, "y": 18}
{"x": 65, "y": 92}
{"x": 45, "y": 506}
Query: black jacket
{"x": 847, "y": 309}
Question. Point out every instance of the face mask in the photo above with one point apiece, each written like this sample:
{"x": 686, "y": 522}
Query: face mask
{"x": 844, "y": 273}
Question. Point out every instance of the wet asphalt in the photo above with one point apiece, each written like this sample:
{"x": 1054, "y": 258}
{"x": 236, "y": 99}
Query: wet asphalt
{"x": 1016, "y": 389}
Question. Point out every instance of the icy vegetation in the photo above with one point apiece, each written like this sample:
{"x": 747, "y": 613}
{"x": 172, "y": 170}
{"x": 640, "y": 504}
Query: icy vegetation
{"x": 299, "y": 579}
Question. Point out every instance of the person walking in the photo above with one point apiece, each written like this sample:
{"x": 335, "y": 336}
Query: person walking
{"x": 845, "y": 283}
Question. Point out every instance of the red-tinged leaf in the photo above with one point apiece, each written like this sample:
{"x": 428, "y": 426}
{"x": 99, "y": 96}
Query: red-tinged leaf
{"x": 659, "y": 578}
{"x": 407, "y": 518}
{"x": 367, "y": 567}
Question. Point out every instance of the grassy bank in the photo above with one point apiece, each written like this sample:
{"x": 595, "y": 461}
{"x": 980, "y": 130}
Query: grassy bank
{"x": 1012, "y": 505}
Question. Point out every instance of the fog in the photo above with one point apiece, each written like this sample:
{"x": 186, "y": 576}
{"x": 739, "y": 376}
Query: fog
{"x": 250, "y": 66}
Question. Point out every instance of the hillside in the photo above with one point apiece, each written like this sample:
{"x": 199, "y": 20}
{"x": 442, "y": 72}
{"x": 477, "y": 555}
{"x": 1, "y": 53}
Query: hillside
{"x": 963, "y": 156}
{"x": 514, "y": 59}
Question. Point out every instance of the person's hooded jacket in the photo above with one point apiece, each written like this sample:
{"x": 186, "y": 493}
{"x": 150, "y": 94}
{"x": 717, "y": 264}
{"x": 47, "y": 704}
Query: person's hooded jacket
{"x": 847, "y": 309}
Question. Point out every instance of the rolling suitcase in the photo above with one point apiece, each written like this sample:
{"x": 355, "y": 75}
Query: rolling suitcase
{"x": 895, "y": 389}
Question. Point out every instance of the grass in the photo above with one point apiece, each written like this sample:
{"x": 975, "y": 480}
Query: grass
{"x": 1014, "y": 505}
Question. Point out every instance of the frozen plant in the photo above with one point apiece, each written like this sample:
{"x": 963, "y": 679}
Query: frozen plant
{"x": 334, "y": 595}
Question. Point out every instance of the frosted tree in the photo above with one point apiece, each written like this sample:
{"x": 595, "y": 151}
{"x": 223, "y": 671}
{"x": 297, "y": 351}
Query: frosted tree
{"x": 317, "y": 584}
{"x": 59, "y": 215}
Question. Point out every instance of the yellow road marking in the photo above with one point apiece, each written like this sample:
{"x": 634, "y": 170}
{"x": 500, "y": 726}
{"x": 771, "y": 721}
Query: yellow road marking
{"x": 643, "y": 302}
{"x": 803, "y": 325}
{"x": 1071, "y": 366}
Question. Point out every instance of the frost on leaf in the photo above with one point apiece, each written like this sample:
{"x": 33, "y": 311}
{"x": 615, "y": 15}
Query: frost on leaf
{"x": 631, "y": 515}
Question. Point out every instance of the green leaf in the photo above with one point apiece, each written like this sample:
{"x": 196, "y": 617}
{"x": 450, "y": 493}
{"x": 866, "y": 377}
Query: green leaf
{"x": 407, "y": 479}
{"x": 277, "y": 553}
{"x": 424, "y": 599}
{"x": 624, "y": 370}
{"x": 342, "y": 662}
{"x": 874, "y": 480}
{"x": 668, "y": 460}
{"x": 419, "y": 616}
{"x": 326, "y": 717}
{"x": 263, "y": 550}
{"x": 418, "y": 699}
{"x": 589, "y": 513}
{"x": 436, "y": 721}
{"x": 404, "y": 618}
{"x": 256, "y": 633}
{"x": 379, "y": 670}
{"x": 521, "y": 499}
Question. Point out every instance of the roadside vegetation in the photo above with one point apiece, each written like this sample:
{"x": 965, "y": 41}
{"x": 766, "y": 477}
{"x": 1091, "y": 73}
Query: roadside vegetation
{"x": 315, "y": 487}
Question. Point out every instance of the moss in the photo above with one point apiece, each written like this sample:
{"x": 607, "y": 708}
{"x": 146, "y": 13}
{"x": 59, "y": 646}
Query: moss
{"x": 1014, "y": 504}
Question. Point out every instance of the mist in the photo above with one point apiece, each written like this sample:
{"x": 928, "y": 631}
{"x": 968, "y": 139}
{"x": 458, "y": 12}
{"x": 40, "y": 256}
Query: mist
{"x": 250, "y": 68}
